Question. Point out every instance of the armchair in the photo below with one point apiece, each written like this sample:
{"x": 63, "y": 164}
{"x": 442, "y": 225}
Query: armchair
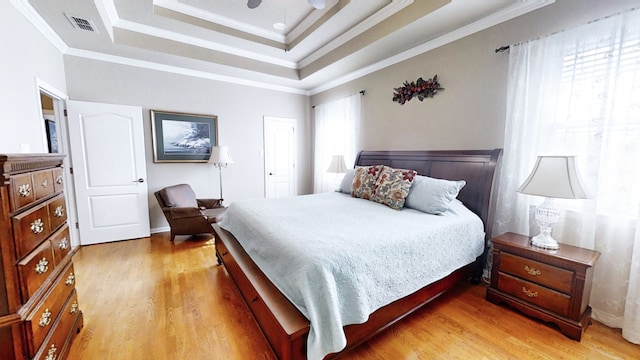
{"x": 186, "y": 214}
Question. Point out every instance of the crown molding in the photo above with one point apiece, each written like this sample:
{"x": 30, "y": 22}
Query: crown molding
{"x": 34, "y": 18}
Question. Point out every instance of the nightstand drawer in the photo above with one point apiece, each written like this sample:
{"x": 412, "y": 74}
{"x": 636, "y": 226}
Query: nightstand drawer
{"x": 537, "y": 272}
{"x": 533, "y": 293}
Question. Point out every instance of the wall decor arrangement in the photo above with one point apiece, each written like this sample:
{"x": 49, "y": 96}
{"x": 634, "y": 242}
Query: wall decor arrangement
{"x": 420, "y": 89}
{"x": 179, "y": 137}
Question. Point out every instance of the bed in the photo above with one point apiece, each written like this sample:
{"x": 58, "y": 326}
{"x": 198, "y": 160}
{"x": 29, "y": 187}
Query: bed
{"x": 286, "y": 327}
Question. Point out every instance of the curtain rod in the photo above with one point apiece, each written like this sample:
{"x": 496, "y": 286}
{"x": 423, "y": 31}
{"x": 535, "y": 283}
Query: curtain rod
{"x": 507, "y": 47}
{"x": 362, "y": 92}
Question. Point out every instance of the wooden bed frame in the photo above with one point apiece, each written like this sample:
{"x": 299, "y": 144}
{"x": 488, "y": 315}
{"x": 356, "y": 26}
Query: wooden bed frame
{"x": 286, "y": 328}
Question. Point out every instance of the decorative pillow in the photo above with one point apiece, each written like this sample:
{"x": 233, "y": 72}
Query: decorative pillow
{"x": 393, "y": 186}
{"x": 347, "y": 182}
{"x": 364, "y": 181}
{"x": 433, "y": 195}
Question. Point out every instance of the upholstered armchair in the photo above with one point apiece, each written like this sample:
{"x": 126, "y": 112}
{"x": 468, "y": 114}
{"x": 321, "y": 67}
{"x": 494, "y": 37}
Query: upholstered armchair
{"x": 186, "y": 214}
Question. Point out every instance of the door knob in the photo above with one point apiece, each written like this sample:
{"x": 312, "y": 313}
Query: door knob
{"x": 141, "y": 180}
{"x": 270, "y": 173}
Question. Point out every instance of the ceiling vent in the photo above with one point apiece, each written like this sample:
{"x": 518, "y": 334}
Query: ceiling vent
{"x": 80, "y": 23}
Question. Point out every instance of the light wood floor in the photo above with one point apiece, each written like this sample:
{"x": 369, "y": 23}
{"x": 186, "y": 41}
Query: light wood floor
{"x": 150, "y": 299}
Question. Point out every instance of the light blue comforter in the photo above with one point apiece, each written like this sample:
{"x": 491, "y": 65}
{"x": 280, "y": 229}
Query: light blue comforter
{"x": 338, "y": 258}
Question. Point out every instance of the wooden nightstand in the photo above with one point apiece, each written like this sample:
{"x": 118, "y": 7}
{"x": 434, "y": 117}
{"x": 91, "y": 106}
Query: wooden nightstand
{"x": 551, "y": 285}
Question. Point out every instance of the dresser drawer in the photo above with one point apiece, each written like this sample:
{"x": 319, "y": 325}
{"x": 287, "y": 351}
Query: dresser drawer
{"x": 57, "y": 211}
{"x": 41, "y": 320}
{"x": 58, "y": 180}
{"x": 43, "y": 184}
{"x": 22, "y": 193}
{"x": 61, "y": 244}
{"x": 31, "y": 228}
{"x": 535, "y": 294}
{"x": 537, "y": 272}
{"x": 55, "y": 343}
{"x": 34, "y": 269}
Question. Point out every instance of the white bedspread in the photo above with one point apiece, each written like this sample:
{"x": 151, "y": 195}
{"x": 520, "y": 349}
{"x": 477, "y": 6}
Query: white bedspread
{"x": 338, "y": 258}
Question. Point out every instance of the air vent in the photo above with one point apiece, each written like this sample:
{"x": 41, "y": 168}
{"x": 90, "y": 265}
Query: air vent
{"x": 81, "y": 24}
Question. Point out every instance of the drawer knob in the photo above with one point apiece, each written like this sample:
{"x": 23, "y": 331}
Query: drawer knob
{"x": 64, "y": 243}
{"x": 51, "y": 354}
{"x": 42, "y": 266}
{"x": 74, "y": 308}
{"x": 254, "y": 299}
{"x": 224, "y": 253}
{"x": 45, "y": 318}
{"x": 71, "y": 279}
{"x": 24, "y": 190}
{"x": 531, "y": 271}
{"x": 59, "y": 179}
{"x": 37, "y": 226}
{"x": 529, "y": 293}
{"x": 59, "y": 211}
{"x": 44, "y": 183}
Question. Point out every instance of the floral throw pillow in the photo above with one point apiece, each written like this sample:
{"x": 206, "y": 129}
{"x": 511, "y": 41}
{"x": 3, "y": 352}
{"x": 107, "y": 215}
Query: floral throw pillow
{"x": 393, "y": 186}
{"x": 364, "y": 181}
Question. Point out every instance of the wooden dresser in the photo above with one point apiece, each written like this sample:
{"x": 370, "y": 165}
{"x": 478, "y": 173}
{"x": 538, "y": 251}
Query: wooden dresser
{"x": 39, "y": 314}
{"x": 551, "y": 285}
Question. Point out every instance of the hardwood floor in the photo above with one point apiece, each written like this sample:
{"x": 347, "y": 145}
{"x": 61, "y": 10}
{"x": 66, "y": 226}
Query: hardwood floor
{"x": 150, "y": 299}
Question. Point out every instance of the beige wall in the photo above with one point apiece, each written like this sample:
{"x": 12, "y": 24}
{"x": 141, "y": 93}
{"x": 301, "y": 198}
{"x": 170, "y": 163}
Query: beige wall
{"x": 470, "y": 112}
{"x": 26, "y": 55}
{"x": 240, "y": 111}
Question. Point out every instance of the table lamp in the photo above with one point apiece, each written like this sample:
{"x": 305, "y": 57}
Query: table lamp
{"x": 220, "y": 158}
{"x": 552, "y": 177}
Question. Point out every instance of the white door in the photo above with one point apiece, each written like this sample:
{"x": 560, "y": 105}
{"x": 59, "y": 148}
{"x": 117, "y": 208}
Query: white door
{"x": 279, "y": 156}
{"x": 109, "y": 171}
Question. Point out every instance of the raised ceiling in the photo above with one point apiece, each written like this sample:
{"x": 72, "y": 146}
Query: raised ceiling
{"x": 227, "y": 41}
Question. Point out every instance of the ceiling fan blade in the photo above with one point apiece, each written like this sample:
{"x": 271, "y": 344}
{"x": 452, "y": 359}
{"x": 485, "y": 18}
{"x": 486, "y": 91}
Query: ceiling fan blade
{"x": 318, "y": 4}
{"x": 252, "y": 4}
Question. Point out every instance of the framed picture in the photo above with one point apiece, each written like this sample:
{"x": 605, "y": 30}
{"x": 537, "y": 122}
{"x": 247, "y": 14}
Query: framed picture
{"x": 181, "y": 137}
{"x": 52, "y": 136}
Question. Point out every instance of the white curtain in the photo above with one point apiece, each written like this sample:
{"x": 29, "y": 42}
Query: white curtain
{"x": 335, "y": 134}
{"x": 578, "y": 93}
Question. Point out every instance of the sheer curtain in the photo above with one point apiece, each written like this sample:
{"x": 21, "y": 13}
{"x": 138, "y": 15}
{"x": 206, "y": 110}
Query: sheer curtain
{"x": 578, "y": 93}
{"x": 335, "y": 134}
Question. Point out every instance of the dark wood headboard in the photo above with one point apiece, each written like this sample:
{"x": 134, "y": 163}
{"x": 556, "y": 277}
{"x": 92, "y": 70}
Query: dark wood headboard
{"x": 476, "y": 167}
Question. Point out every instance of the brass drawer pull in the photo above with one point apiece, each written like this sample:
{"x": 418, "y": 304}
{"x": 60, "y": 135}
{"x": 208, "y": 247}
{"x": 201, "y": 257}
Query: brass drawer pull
{"x": 41, "y": 266}
{"x": 529, "y": 293}
{"x": 37, "y": 226}
{"x": 24, "y": 190}
{"x": 51, "y": 355}
{"x": 59, "y": 179}
{"x": 70, "y": 279}
{"x": 44, "y": 183}
{"x": 45, "y": 318}
{"x": 531, "y": 271}
{"x": 59, "y": 211}
{"x": 64, "y": 244}
{"x": 74, "y": 308}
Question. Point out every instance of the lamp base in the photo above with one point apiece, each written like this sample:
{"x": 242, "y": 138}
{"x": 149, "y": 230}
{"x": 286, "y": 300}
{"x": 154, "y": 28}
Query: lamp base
{"x": 545, "y": 241}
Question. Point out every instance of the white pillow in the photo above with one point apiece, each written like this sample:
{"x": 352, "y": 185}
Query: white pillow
{"x": 432, "y": 195}
{"x": 347, "y": 182}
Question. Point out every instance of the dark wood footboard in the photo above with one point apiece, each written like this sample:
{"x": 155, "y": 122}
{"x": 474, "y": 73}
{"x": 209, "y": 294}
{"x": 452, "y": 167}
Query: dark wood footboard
{"x": 285, "y": 327}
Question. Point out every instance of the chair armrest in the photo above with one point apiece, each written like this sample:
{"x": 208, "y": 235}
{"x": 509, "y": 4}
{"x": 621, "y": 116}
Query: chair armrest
{"x": 178, "y": 213}
{"x": 210, "y": 203}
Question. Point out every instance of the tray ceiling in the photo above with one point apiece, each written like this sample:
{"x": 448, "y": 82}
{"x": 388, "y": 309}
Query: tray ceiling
{"x": 227, "y": 41}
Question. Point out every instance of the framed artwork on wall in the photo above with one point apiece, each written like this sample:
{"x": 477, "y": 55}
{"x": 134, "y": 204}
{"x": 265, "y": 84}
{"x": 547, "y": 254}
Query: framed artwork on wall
{"x": 179, "y": 137}
{"x": 52, "y": 136}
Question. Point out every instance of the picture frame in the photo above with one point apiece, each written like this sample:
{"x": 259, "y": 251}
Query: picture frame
{"x": 52, "y": 135}
{"x": 181, "y": 137}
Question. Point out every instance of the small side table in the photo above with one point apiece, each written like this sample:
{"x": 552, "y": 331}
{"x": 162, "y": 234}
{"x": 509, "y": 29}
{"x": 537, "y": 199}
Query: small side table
{"x": 551, "y": 285}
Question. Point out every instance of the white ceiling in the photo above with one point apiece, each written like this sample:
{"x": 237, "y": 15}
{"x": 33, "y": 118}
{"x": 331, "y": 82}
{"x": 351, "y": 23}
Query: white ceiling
{"x": 225, "y": 40}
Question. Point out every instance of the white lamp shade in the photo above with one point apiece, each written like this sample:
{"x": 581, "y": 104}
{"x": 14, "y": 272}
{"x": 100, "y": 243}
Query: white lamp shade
{"x": 220, "y": 155}
{"x": 554, "y": 177}
{"x": 337, "y": 165}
